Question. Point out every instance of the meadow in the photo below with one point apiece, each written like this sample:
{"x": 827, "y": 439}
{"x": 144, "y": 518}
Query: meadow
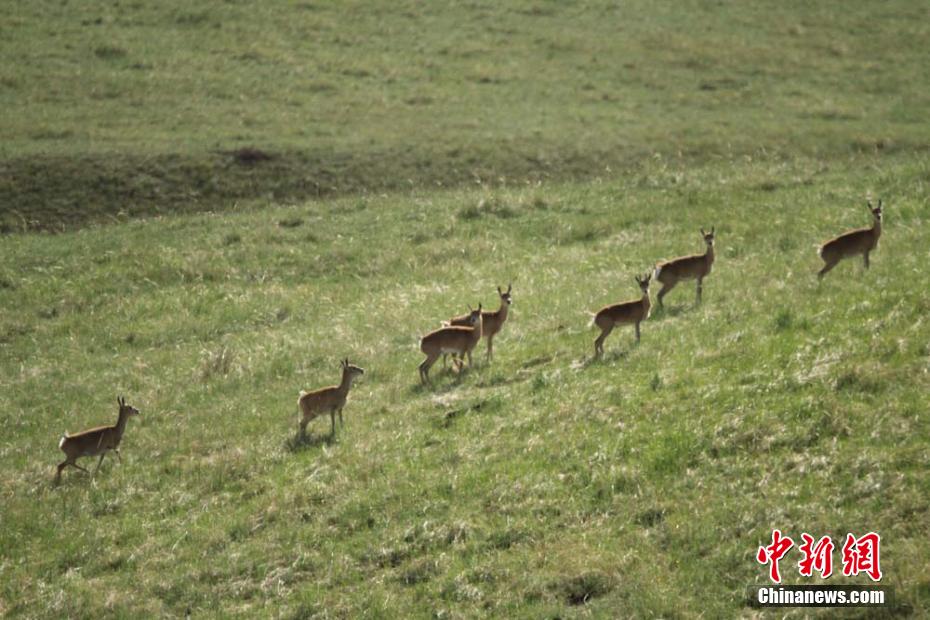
{"x": 544, "y": 484}
{"x": 122, "y": 109}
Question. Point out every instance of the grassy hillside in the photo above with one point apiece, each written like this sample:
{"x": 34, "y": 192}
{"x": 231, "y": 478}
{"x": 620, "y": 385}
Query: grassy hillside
{"x": 123, "y": 109}
{"x": 247, "y": 192}
{"x": 540, "y": 485}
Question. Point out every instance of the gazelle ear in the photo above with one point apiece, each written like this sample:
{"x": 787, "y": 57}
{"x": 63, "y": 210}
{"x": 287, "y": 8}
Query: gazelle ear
{"x": 879, "y": 203}
{"x": 479, "y": 306}
{"x": 499, "y": 291}
{"x": 470, "y": 309}
{"x": 509, "y": 287}
{"x": 638, "y": 281}
{"x": 120, "y": 401}
{"x": 713, "y": 229}
{"x": 703, "y": 234}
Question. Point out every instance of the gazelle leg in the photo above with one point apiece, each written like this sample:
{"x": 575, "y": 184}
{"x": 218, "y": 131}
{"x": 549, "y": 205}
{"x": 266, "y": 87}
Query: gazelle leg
{"x": 341, "y": 423}
{"x": 425, "y": 366}
{"x": 490, "y": 347}
{"x": 118, "y": 457}
{"x": 332, "y": 419}
{"x": 826, "y": 268}
{"x": 599, "y": 343}
{"x": 60, "y": 467}
{"x": 73, "y": 464}
{"x": 96, "y": 469}
{"x": 700, "y": 287}
{"x": 865, "y": 258}
{"x": 469, "y": 358}
{"x": 303, "y": 417}
{"x": 666, "y": 287}
{"x": 637, "y": 331}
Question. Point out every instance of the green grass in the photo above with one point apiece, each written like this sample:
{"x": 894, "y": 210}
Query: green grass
{"x": 246, "y": 193}
{"x": 120, "y": 110}
{"x": 540, "y": 485}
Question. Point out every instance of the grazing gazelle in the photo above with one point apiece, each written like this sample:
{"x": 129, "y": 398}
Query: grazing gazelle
{"x": 330, "y": 399}
{"x": 455, "y": 339}
{"x": 634, "y": 312}
{"x": 853, "y": 242}
{"x": 491, "y": 322}
{"x": 693, "y": 267}
{"x": 95, "y": 441}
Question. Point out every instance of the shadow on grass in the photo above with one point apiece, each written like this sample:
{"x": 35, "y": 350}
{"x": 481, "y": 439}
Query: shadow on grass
{"x": 606, "y": 358}
{"x": 498, "y": 380}
{"x": 298, "y": 443}
{"x": 670, "y": 312}
{"x": 438, "y": 386}
{"x": 39, "y": 191}
{"x": 537, "y": 361}
{"x": 76, "y": 478}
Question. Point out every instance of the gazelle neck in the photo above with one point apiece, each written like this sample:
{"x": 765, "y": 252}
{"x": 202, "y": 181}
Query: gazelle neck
{"x": 709, "y": 253}
{"x": 346, "y": 382}
{"x": 502, "y": 311}
{"x": 121, "y": 421}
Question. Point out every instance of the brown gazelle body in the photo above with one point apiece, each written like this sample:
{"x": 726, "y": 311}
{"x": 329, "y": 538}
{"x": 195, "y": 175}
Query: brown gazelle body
{"x": 491, "y": 322}
{"x": 626, "y": 313}
{"x": 95, "y": 441}
{"x": 330, "y": 400}
{"x": 694, "y": 267}
{"x": 455, "y": 339}
{"x": 852, "y": 243}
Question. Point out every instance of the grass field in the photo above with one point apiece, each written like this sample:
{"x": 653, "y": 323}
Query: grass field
{"x": 462, "y": 149}
{"x": 649, "y": 478}
{"x": 121, "y": 109}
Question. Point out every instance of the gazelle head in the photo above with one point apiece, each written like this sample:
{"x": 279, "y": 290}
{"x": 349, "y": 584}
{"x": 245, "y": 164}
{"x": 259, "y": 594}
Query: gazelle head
{"x": 351, "y": 370}
{"x": 643, "y": 283}
{"x": 125, "y": 409}
{"x": 505, "y": 295}
{"x": 474, "y": 316}
{"x": 708, "y": 237}
{"x": 876, "y": 211}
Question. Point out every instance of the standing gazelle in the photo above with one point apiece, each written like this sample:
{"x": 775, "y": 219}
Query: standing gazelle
{"x": 330, "y": 399}
{"x": 634, "y": 312}
{"x": 95, "y": 441}
{"x": 455, "y": 339}
{"x": 693, "y": 267}
{"x": 491, "y": 322}
{"x": 853, "y": 242}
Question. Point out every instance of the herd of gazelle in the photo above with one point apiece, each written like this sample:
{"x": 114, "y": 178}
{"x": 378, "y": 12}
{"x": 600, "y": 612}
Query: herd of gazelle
{"x": 459, "y": 336}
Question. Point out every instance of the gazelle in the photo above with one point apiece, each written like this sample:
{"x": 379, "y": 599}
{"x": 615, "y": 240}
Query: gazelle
{"x": 95, "y": 441}
{"x": 332, "y": 399}
{"x": 491, "y": 322}
{"x": 455, "y": 339}
{"x": 853, "y": 242}
{"x": 634, "y": 312}
{"x": 695, "y": 266}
